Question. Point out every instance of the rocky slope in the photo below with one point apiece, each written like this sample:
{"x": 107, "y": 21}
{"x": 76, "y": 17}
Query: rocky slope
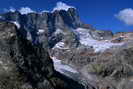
{"x": 56, "y": 50}
{"x": 25, "y": 65}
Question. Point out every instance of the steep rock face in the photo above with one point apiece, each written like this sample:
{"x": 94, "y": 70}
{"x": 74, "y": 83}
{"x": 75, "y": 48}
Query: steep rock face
{"x": 50, "y": 24}
{"x": 28, "y": 65}
{"x": 57, "y": 26}
{"x": 8, "y": 75}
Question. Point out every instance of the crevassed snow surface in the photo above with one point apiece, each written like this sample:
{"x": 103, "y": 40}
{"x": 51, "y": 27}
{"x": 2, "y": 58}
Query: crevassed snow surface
{"x": 86, "y": 39}
{"x": 62, "y": 67}
{"x": 62, "y": 6}
{"x": 16, "y": 23}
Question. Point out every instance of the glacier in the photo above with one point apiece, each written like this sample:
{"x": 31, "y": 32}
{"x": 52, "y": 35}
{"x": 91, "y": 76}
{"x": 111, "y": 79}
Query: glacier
{"x": 87, "y": 40}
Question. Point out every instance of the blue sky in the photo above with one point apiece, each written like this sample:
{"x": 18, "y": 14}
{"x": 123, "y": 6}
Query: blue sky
{"x": 99, "y": 13}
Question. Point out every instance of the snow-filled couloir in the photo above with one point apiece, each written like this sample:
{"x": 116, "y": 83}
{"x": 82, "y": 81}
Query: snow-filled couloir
{"x": 62, "y": 67}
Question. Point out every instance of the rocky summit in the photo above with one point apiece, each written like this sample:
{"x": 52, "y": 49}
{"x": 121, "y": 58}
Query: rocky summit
{"x": 56, "y": 50}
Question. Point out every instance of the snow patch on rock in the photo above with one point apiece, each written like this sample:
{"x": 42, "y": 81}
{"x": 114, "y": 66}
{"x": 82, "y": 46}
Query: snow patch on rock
{"x": 16, "y": 23}
{"x": 58, "y": 31}
{"x": 60, "y": 45}
{"x": 40, "y": 31}
{"x": 29, "y": 37}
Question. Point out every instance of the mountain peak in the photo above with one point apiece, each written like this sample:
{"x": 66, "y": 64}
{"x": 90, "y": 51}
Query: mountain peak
{"x": 26, "y": 10}
{"x": 62, "y": 6}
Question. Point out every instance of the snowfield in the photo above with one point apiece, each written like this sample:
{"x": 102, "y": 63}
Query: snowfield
{"x": 62, "y": 67}
{"x": 99, "y": 46}
{"x": 71, "y": 72}
{"x": 87, "y": 40}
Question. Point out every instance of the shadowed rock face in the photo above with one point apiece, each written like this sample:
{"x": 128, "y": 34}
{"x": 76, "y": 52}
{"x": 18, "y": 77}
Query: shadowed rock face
{"x": 28, "y": 65}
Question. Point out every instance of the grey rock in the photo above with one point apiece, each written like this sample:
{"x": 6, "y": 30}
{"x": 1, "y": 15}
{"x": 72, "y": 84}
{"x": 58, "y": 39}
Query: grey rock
{"x": 101, "y": 34}
{"x": 24, "y": 63}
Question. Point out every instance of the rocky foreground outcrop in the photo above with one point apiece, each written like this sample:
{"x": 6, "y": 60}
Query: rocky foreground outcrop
{"x": 25, "y": 65}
